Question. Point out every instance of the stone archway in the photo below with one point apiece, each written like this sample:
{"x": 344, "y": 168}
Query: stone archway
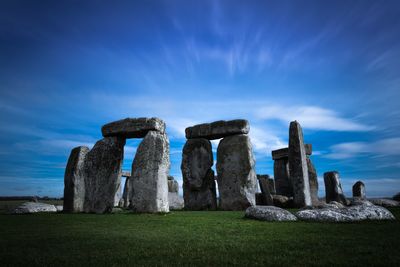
{"x": 92, "y": 177}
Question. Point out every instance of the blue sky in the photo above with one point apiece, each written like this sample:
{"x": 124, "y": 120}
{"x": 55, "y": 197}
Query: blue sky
{"x": 68, "y": 67}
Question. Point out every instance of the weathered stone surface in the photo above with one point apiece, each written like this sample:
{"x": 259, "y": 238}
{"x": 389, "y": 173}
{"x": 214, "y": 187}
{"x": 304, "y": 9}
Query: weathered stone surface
{"x": 333, "y": 188}
{"x": 133, "y": 127}
{"x": 384, "y": 202}
{"x": 283, "y": 185}
{"x": 175, "y": 201}
{"x": 74, "y": 180}
{"x": 218, "y": 129}
{"x": 34, "y": 207}
{"x": 150, "y": 170}
{"x": 284, "y": 152}
{"x": 283, "y": 201}
{"x": 263, "y": 181}
{"x": 271, "y": 184}
{"x": 199, "y": 190}
{"x": 118, "y": 195}
{"x": 173, "y": 186}
{"x": 359, "y": 190}
{"x": 348, "y": 214}
{"x": 313, "y": 178}
{"x": 269, "y": 213}
{"x": 102, "y": 174}
{"x": 237, "y": 182}
{"x": 397, "y": 197}
{"x": 298, "y": 167}
{"x": 127, "y": 194}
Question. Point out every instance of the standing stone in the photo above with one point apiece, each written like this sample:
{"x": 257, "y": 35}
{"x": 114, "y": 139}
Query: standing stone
{"x": 173, "y": 186}
{"x": 103, "y": 174}
{"x": 237, "y": 181}
{"x": 175, "y": 201}
{"x": 283, "y": 185}
{"x": 217, "y": 129}
{"x": 359, "y": 190}
{"x": 333, "y": 188}
{"x": 298, "y": 166}
{"x": 74, "y": 180}
{"x": 127, "y": 194}
{"x": 118, "y": 195}
{"x": 150, "y": 169}
{"x": 265, "y": 189}
{"x": 313, "y": 178}
{"x": 271, "y": 184}
{"x": 199, "y": 191}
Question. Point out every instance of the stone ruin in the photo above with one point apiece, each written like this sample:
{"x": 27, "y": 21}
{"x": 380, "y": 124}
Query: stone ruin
{"x": 93, "y": 177}
{"x": 235, "y": 166}
{"x": 294, "y": 173}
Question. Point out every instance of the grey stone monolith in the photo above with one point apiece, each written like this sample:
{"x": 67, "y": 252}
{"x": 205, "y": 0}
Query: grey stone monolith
{"x": 199, "y": 191}
{"x": 217, "y": 129}
{"x": 150, "y": 169}
{"x": 103, "y": 174}
{"x": 333, "y": 188}
{"x": 237, "y": 181}
{"x": 359, "y": 190}
{"x": 313, "y": 178}
{"x": 263, "y": 181}
{"x": 298, "y": 167}
{"x": 283, "y": 186}
{"x": 74, "y": 180}
{"x": 127, "y": 193}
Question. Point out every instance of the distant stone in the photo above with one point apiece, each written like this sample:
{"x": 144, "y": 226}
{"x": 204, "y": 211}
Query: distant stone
{"x": 175, "y": 201}
{"x": 284, "y": 152}
{"x": 313, "y": 179}
{"x": 237, "y": 181}
{"x": 74, "y": 180}
{"x": 283, "y": 186}
{"x": 283, "y": 201}
{"x": 59, "y": 208}
{"x": 199, "y": 190}
{"x": 333, "y": 188}
{"x": 133, "y": 127}
{"x": 397, "y": 197}
{"x": 271, "y": 184}
{"x": 117, "y": 210}
{"x": 263, "y": 181}
{"x": 384, "y": 202}
{"x": 150, "y": 170}
{"x": 359, "y": 190}
{"x": 348, "y": 214}
{"x": 102, "y": 174}
{"x": 127, "y": 193}
{"x": 173, "y": 186}
{"x": 171, "y": 177}
{"x": 298, "y": 167}
{"x": 269, "y": 213}
{"x": 218, "y": 129}
{"x": 118, "y": 195}
{"x": 34, "y": 207}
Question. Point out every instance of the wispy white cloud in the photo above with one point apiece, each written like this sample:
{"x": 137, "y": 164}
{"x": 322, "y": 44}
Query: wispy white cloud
{"x": 312, "y": 117}
{"x": 384, "y": 147}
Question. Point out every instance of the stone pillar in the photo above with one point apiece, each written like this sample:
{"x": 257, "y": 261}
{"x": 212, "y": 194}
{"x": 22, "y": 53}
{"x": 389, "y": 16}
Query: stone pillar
{"x": 102, "y": 174}
{"x": 150, "y": 169}
{"x": 74, "y": 180}
{"x": 313, "y": 178}
{"x": 333, "y": 188}
{"x": 298, "y": 167}
{"x": 127, "y": 194}
{"x": 175, "y": 201}
{"x": 283, "y": 185}
{"x": 263, "y": 181}
{"x": 199, "y": 191}
{"x": 359, "y": 190}
{"x": 237, "y": 182}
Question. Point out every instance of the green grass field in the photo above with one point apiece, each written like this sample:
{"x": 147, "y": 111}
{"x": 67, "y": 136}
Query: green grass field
{"x": 192, "y": 239}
